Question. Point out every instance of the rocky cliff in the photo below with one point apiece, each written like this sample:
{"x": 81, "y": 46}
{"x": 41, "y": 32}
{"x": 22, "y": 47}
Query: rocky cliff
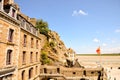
{"x": 55, "y": 49}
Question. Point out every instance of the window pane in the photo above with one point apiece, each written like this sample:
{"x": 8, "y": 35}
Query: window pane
{"x": 10, "y": 36}
{"x": 25, "y": 40}
{"x": 32, "y": 42}
{"x": 8, "y": 59}
{"x": 31, "y": 54}
{"x": 24, "y": 57}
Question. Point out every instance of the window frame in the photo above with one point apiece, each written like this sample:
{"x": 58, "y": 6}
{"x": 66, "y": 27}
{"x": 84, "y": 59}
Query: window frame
{"x": 10, "y": 35}
{"x": 25, "y": 40}
{"x": 24, "y": 57}
{"x": 9, "y": 57}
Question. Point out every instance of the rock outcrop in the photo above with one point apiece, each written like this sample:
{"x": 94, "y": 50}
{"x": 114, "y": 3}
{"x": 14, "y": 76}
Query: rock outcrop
{"x": 55, "y": 49}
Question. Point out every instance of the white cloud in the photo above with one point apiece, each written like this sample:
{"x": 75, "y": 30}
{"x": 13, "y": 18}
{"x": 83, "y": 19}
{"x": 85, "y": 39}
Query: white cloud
{"x": 79, "y": 12}
{"x": 104, "y": 44}
{"x": 75, "y": 13}
{"x": 117, "y": 30}
{"x": 82, "y": 12}
{"x": 96, "y": 40}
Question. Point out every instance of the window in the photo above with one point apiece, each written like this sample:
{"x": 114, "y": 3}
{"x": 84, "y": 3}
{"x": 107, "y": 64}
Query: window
{"x": 58, "y": 70}
{"x": 118, "y": 67}
{"x": 92, "y": 72}
{"x": 84, "y": 73}
{"x": 1, "y": 78}
{"x": 13, "y": 13}
{"x": 74, "y": 72}
{"x": 10, "y": 36}
{"x": 23, "y": 75}
{"x": 32, "y": 43}
{"x": 23, "y": 23}
{"x": 25, "y": 40}
{"x": 28, "y": 27}
{"x": 37, "y": 44}
{"x": 31, "y": 59}
{"x": 8, "y": 58}
{"x": 36, "y": 56}
{"x": 45, "y": 70}
{"x": 30, "y": 73}
{"x": 24, "y": 57}
{"x": 36, "y": 70}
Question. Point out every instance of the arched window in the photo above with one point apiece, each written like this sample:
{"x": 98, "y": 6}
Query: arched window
{"x": 30, "y": 73}
{"x": 23, "y": 75}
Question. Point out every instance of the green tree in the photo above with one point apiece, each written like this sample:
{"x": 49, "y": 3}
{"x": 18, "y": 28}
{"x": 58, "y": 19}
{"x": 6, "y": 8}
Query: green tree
{"x": 44, "y": 58}
{"x": 43, "y": 27}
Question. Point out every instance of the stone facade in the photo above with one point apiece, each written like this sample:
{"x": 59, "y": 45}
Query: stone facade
{"x": 9, "y": 42}
{"x": 20, "y": 45}
{"x": 30, "y": 46}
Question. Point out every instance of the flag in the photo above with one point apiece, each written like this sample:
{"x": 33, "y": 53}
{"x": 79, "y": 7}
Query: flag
{"x": 98, "y": 50}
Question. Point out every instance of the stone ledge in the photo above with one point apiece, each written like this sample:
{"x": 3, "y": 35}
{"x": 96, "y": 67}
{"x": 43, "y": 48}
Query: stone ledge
{"x": 7, "y": 70}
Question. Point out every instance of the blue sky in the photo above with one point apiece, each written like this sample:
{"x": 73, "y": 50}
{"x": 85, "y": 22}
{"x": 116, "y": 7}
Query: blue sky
{"x": 82, "y": 24}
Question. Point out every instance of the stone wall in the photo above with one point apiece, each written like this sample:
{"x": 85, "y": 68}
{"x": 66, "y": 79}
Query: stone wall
{"x": 71, "y": 73}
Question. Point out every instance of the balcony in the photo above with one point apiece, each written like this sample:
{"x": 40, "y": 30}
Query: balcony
{"x": 7, "y": 71}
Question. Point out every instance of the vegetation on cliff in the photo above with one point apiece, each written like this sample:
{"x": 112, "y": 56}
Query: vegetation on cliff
{"x": 43, "y": 28}
{"x": 53, "y": 49}
{"x": 44, "y": 58}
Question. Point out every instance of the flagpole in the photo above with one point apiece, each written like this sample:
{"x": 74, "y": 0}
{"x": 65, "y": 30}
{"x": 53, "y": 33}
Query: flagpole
{"x": 100, "y": 58}
{"x": 99, "y": 53}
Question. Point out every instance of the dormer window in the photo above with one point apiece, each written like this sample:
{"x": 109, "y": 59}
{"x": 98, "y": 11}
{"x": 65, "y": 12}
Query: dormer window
{"x": 13, "y": 13}
{"x": 10, "y": 10}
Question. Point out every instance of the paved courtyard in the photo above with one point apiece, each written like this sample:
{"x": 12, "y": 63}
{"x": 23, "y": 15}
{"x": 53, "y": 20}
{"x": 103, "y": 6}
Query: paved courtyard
{"x": 111, "y": 64}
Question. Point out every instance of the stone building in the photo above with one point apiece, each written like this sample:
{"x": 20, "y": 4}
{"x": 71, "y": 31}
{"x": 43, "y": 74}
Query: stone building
{"x": 9, "y": 40}
{"x": 29, "y": 50}
{"x": 19, "y": 44}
